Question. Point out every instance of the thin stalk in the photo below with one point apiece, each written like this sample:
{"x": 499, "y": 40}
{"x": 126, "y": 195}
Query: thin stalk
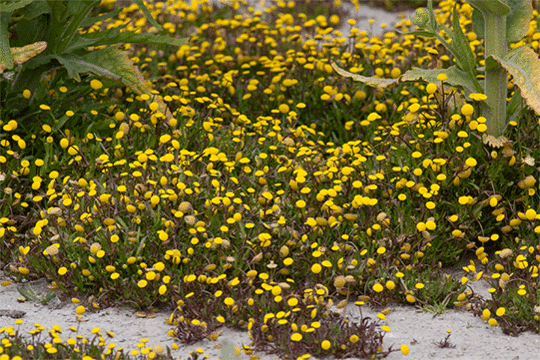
{"x": 496, "y": 77}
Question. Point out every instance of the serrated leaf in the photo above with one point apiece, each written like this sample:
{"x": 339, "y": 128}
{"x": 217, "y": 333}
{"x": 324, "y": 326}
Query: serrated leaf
{"x": 496, "y": 142}
{"x": 524, "y": 65}
{"x": 23, "y": 54}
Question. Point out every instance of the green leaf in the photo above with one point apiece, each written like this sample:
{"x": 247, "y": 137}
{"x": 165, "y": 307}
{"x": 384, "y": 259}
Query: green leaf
{"x": 115, "y": 36}
{"x": 112, "y": 64}
{"x": 494, "y": 7}
{"x": 517, "y": 22}
{"x": 76, "y": 11}
{"x": 524, "y": 65}
{"x": 36, "y": 9}
{"x": 146, "y": 13}
{"x": 23, "y": 54}
{"x": 464, "y": 53}
{"x": 5, "y": 52}
{"x": 478, "y": 23}
{"x": 100, "y": 62}
{"x": 513, "y": 107}
{"x": 12, "y": 5}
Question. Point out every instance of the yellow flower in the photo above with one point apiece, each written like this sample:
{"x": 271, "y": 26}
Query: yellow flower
{"x": 478, "y": 97}
{"x": 431, "y": 88}
{"x": 404, "y": 348}
{"x": 326, "y": 344}
{"x": 96, "y": 84}
{"x": 442, "y": 77}
{"x": 296, "y": 337}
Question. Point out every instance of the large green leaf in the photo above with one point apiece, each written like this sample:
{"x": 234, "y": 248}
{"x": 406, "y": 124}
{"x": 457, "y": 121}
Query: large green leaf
{"x": 12, "y": 5}
{"x": 478, "y": 23}
{"x": 23, "y": 54}
{"x": 495, "y": 7}
{"x": 524, "y": 65}
{"x": 455, "y": 76}
{"x": 517, "y": 22}
{"x": 112, "y": 64}
{"x": 5, "y": 53}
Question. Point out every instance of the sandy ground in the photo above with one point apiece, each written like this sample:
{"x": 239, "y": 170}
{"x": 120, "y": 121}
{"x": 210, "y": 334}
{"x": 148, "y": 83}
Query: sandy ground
{"x": 473, "y": 338}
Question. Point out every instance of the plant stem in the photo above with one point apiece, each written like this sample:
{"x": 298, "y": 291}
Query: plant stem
{"x": 496, "y": 77}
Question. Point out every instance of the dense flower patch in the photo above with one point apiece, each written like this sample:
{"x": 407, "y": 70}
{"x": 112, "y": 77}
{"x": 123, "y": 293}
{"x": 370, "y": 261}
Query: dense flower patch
{"x": 278, "y": 192}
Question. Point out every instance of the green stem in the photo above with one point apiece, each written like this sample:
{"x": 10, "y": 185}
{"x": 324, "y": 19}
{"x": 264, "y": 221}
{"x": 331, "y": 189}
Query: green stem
{"x": 496, "y": 77}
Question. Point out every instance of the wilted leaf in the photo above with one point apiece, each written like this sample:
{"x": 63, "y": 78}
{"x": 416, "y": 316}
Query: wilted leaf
{"x": 381, "y": 83}
{"x": 496, "y": 142}
{"x": 524, "y": 65}
{"x": 455, "y": 76}
{"x": 23, "y": 54}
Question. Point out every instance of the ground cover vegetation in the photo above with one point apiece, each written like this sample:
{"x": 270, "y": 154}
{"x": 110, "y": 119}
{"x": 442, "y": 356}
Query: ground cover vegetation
{"x": 276, "y": 193}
